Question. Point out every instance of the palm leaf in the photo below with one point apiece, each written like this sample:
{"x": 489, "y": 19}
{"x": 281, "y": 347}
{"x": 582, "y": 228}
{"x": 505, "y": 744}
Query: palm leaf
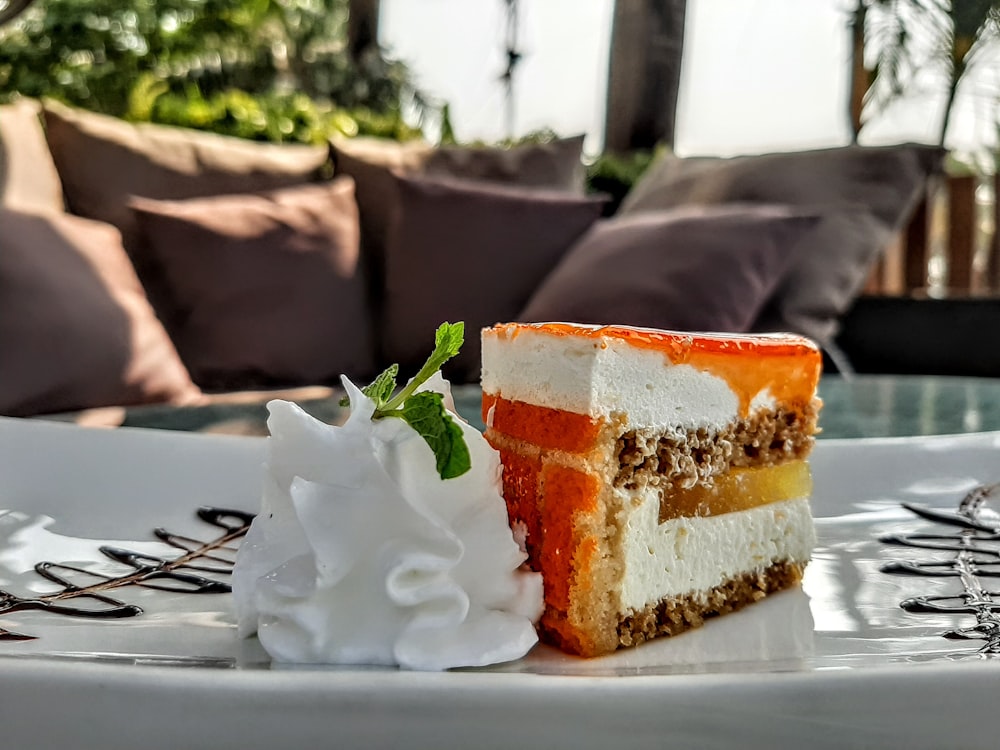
{"x": 906, "y": 38}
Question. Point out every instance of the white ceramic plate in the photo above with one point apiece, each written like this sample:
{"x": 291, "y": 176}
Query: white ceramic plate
{"x": 835, "y": 664}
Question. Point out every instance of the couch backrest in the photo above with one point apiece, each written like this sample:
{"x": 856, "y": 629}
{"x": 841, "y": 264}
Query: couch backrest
{"x": 103, "y": 161}
{"x": 28, "y": 176}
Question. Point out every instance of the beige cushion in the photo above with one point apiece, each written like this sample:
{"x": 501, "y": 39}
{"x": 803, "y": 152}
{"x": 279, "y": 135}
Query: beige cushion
{"x": 103, "y": 161}
{"x": 28, "y": 176}
{"x": 470, "y": 251}
{"x": 266, "y": 288}
{"x": 76, "y": 330}
{"x": 688, "y": 269}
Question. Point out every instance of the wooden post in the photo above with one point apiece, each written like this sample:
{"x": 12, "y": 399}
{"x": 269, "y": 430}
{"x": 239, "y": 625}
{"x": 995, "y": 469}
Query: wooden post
{"x": 887, "y": 277}
{"x": 644, "y": 72}
{"x": 362, "y": 27}
{"x": 961, "y": 233}
{"x": 860, "y": 75}
{"x": 993, "y": 261}
{"x": 917, "y": 240}
{"x": 875, "y": 283}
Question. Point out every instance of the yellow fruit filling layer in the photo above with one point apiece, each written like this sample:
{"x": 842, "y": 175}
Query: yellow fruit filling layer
{"x": 739, "y": 489}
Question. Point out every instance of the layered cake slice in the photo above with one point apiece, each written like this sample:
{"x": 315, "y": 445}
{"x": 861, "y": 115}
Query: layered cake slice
{"x": 658, "y": 478}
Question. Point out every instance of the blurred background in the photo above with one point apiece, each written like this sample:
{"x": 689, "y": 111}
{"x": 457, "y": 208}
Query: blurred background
{"x": 722, "y": 76}
{"x": 915, "y": 259}
{"x": 756, "y": 75}
{"x": 712, "y": 77}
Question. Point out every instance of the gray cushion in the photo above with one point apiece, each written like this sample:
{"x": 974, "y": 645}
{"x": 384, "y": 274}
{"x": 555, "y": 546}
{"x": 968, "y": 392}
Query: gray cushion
{"x": 470, "y": 251}
{"x": 689, "y": 269}
{"x": 864, "y": 194}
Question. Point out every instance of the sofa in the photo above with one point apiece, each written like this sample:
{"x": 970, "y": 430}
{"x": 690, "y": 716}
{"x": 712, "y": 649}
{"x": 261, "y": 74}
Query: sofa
{"x": 147, "y": 265}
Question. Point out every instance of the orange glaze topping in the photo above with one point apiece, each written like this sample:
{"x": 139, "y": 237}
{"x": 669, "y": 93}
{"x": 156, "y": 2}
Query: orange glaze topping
{"x": 793, "y": 364}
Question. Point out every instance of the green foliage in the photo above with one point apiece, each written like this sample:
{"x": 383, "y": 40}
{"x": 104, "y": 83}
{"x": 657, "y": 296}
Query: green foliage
{"x": 292, "y": 118}
{"x": 906, "y": 39}
{"x": 262, "y": 69}
{"x": 89, "y": 52}
{"x": 447, "y": 137}
{"x": 615, "y": 174}
{"x": 542, "y": 135}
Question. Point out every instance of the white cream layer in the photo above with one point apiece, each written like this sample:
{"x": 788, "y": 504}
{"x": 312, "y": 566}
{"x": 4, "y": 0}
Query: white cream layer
{"x": 601, "y": 376}
{"x": 362, "y": 554}
{"x": 687, "y": 555}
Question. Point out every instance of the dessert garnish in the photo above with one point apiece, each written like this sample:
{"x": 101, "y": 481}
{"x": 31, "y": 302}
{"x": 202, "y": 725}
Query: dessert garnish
{"x": 367, "y": 551}
{"x": 187, "y": 573}
{"x": 975, "y": 556}
{"x": 424, "y": 410}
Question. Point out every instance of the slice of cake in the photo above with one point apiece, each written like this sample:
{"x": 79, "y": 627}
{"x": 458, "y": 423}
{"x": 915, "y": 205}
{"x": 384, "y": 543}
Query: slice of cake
{"x": 659, "y": 478}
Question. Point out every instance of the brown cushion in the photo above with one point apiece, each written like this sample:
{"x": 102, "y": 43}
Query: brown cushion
{"x": 864, "y": 194}
{"x": 76, "y": 330}
{"x": 372, "y": 161}
{"x": 103, "y": 161}
{"x": 470, "y": 251}
{"x": 266, "y": 287}
{"x": 28, "y": 176}
{"x": 708, "y": 269}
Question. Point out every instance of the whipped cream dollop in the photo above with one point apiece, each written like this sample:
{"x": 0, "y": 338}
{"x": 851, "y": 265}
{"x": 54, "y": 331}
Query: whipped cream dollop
{"x": 362, "y": 554}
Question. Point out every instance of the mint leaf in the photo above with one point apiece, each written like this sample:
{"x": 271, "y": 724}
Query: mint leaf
{"x": 425, "y": 413}
{"x": 447, "y": 341}
{"x": 381, "y": 388}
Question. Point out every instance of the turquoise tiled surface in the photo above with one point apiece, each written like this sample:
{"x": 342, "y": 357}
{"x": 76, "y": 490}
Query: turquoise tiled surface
{"x": 900, "y": 405}
{"x": 880, "y": 405}
{"x": 862, "y": 406}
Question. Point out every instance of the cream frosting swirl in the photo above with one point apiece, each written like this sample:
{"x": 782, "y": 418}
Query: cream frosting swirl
{"x": 362, "y": 554}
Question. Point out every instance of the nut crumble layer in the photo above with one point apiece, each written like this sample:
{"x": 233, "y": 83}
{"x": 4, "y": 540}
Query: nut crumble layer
{"x": 765, "y": 438}
{"x": 675, "y": 614}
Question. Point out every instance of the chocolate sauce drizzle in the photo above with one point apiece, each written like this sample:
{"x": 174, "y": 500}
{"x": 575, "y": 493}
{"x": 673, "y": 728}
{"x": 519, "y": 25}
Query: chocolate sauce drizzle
{"x": 976, "y": 548}
{"x": 190, "y": 572}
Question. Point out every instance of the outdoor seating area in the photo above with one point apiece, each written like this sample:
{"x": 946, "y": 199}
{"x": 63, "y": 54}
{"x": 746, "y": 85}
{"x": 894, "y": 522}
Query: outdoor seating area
{"x": 242, "y": 290}
{"x": 897, "y": 273}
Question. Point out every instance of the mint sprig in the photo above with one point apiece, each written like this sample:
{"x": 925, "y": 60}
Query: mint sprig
{"x": 424, "y": 411}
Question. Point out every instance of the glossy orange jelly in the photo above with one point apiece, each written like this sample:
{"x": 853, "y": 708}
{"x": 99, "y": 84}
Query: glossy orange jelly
{"x": 789, "y": 366}
{"x": 551, "y": 429}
